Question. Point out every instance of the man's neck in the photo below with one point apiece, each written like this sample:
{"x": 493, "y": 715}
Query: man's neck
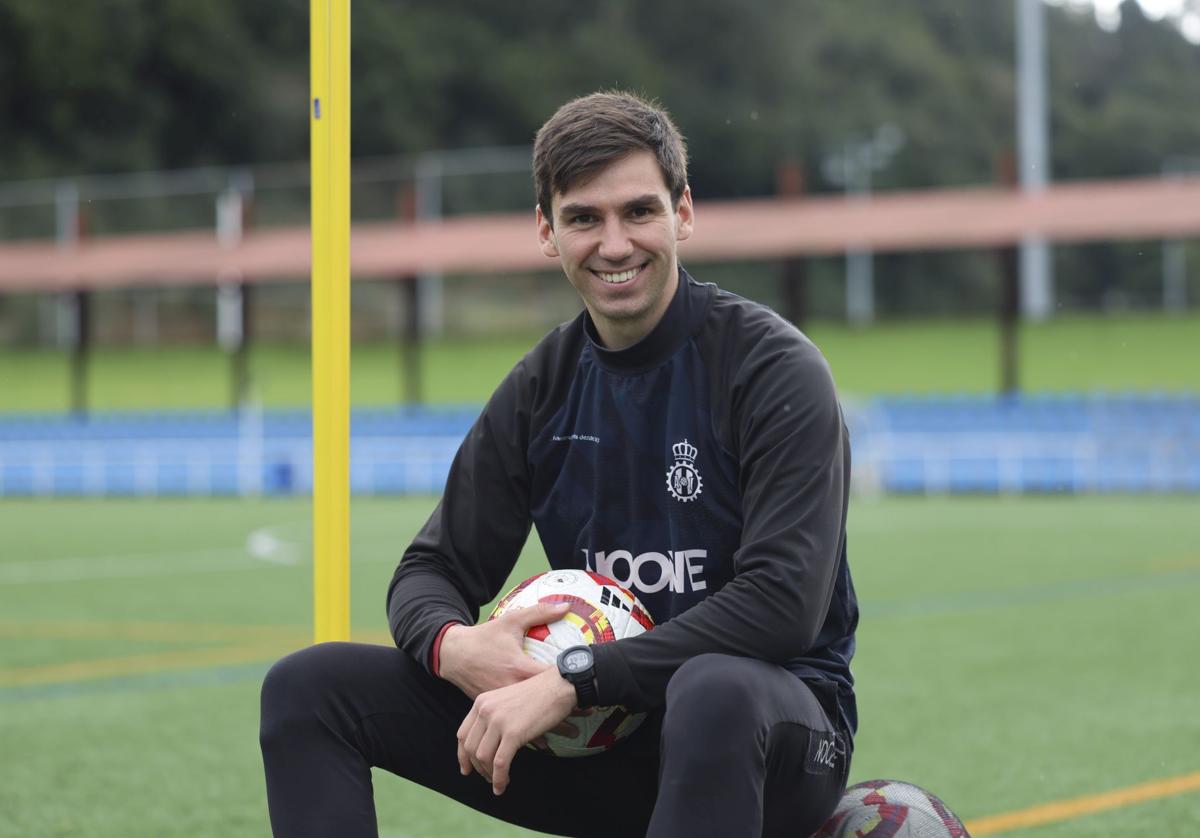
{"x": 622, "y": 334}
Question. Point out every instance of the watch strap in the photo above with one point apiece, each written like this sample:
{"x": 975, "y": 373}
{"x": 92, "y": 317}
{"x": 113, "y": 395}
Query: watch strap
{"x": 586, "y": 694}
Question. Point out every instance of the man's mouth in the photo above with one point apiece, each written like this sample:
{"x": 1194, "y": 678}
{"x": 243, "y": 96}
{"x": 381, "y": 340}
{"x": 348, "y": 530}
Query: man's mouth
{"x": 618, "y": 278}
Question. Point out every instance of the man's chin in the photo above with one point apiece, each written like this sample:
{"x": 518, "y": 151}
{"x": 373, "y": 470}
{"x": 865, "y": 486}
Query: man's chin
{"x": 621, "y": 314}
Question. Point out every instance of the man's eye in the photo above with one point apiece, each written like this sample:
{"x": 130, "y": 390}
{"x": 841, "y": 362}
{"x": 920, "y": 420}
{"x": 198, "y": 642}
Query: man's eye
{"x": 583, "y": 218}
{"x": 641, "y": 212}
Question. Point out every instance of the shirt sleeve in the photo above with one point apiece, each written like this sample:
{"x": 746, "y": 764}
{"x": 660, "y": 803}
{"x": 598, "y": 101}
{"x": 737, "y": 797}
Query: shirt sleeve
{"x": 784, "y": 424}
{"x": 462, "y": 556}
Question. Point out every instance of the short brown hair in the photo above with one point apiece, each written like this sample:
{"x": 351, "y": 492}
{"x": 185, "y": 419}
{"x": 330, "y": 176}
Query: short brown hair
{"x": 588, "y": 133}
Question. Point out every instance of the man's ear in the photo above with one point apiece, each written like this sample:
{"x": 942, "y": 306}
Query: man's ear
{"x": 546, "y": 239}
{"x": 685, "y": 216}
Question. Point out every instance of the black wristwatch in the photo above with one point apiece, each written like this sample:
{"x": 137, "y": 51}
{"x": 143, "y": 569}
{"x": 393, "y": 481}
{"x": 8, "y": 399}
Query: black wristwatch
{"x": 579, "y": 668}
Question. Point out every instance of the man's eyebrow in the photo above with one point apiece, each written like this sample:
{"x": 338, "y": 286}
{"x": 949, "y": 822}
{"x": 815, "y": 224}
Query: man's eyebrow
{"x": 650, "y": 199}
{"x": 576, "y": 209}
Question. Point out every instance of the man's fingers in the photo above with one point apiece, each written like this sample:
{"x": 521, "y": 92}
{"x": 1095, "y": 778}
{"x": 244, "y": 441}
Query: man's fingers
{"x": 464, "y": 762}
{"x": 484, "y": 754}
{"x": 467, "y": 737}
{"x": 502, "y": 720}
{"x": 500, "y": 764}
{"x": 540, "y": 613}
{"x": 473, "y": 764}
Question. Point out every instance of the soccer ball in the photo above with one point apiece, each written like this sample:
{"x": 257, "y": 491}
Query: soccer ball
{"x": 601, "y": 610}
{"x": 891, "y": 809}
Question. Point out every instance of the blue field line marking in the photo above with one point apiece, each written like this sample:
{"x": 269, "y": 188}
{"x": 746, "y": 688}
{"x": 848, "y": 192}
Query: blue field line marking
{"x": 214, "y": 676}
{"x": 1034, "y": 594}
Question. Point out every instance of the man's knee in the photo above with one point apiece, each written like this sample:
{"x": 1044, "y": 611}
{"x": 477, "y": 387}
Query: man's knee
{"x": 709, "y": 694}
{"x": 299, "y": 689}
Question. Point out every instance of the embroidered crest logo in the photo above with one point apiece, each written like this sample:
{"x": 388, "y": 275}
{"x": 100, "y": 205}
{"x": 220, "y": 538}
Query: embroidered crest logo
{"x": 683, "y": 480}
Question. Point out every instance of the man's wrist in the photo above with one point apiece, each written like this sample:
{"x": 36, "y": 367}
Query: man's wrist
{"x": 577, "y": 667}
{"x": 564, "y": 690}
{"x": 435, "y": 654}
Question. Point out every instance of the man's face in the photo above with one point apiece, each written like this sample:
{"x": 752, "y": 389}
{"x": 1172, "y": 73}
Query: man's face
{"x": 616, "y": 236}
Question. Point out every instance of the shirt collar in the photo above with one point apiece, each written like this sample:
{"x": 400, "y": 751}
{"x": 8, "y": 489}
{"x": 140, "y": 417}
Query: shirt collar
{"x": 682, "y": 317}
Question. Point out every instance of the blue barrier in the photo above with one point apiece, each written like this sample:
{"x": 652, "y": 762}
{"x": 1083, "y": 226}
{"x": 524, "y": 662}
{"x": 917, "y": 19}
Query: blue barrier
{"x": 1075, "y": 442}
{"x": 392, "y": 450}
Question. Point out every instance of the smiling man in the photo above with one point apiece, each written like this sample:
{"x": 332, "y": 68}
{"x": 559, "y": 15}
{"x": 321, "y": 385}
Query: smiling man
{"x": 739, "y": 553}
{"x": 615, "y": 234}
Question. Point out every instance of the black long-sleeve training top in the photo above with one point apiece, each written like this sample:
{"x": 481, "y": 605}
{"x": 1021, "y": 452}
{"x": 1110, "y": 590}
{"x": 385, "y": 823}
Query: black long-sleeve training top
{"x": 706, "y": 468}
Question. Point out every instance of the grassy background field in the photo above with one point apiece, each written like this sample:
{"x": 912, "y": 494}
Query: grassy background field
{"x": 1012, "y": 652}
{"x": 1136, "y": 352}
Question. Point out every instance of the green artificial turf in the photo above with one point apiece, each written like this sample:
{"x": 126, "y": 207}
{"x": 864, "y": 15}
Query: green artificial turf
{"x": 1012, "y": 652}
{"x": 1142, "y": 353}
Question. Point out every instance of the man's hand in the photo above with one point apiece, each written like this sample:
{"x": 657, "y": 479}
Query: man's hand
{"x": 488, "y": 656}
{"x": 503, "y": 720}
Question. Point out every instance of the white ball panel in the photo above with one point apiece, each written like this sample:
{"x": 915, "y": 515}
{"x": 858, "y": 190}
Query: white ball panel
{"x": 540, "y": 650}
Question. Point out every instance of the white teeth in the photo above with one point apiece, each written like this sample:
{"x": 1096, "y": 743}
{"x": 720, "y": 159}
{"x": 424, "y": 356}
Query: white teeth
{"x": 617, "y": 279}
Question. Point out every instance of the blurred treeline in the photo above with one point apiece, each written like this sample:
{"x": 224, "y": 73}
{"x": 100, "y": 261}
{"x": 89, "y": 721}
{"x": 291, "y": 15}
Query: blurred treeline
{"x": 122, "y": 85}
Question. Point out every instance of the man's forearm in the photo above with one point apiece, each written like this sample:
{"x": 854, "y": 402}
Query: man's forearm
{"x": 421, "y": 603}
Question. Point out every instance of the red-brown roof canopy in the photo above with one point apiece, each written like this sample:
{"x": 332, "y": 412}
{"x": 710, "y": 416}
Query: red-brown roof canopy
{"x": 726, "y": 230}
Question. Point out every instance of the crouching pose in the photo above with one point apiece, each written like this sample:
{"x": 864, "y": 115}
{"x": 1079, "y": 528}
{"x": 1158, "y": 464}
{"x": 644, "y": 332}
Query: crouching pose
{"x": 681, "y": 440}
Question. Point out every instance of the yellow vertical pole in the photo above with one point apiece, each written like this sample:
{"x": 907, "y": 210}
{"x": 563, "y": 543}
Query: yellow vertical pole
{"x": 330, "y": 123}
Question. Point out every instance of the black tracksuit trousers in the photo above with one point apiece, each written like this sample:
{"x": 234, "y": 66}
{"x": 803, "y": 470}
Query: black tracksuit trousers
{"x": 741, "y": 748}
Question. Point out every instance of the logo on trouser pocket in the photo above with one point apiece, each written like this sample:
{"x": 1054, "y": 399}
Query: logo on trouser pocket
{"x": 825, "y": 749}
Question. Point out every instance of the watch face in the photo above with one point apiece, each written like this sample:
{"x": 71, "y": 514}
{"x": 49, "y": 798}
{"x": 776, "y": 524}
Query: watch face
{"x": 577, "y": 661}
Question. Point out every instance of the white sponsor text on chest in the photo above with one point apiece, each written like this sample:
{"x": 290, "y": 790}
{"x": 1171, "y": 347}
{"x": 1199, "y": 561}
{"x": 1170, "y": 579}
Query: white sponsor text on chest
{"x": 575, "y": 438}
{"x": 649, "y": 573}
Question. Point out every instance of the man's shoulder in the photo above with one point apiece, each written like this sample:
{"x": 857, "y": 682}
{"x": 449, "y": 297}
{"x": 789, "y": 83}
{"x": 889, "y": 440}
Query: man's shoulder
{"x": 542, "y": 371}
{"x": 754, "y": 354}
{"x": 557, "y": 348}
{"x": 767, "y": 373}
{"x": 748, "y": 327}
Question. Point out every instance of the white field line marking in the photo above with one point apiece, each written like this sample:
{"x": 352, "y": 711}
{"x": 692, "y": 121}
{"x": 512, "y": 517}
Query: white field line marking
{"x": 265, "y": 545}
{"x": 84, "y": 561}
{"x": 150, "y": 564}
{"x": 262, "y": 546}
{"x": 276, "y": 543}
{"x": 128, "y": 567}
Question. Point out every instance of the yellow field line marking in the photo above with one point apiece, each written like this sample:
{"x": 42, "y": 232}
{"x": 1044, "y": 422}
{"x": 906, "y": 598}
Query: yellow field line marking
{"x": 170, "y": 632}
{"x": 57, "y": 673}
{"x": 1165, "y": 564}
{"x": 271, "y": 643}
{"x": 1087, "y": 805}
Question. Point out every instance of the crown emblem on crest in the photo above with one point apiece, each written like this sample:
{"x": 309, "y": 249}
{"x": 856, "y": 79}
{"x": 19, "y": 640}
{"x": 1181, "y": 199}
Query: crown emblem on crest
{"x": 683, "y": 479}
{"x": 685, "y": 452}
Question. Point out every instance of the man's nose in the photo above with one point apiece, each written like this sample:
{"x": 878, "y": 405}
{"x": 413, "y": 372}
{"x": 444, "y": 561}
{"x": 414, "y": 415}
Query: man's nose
{"x": 615, "y": 244}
